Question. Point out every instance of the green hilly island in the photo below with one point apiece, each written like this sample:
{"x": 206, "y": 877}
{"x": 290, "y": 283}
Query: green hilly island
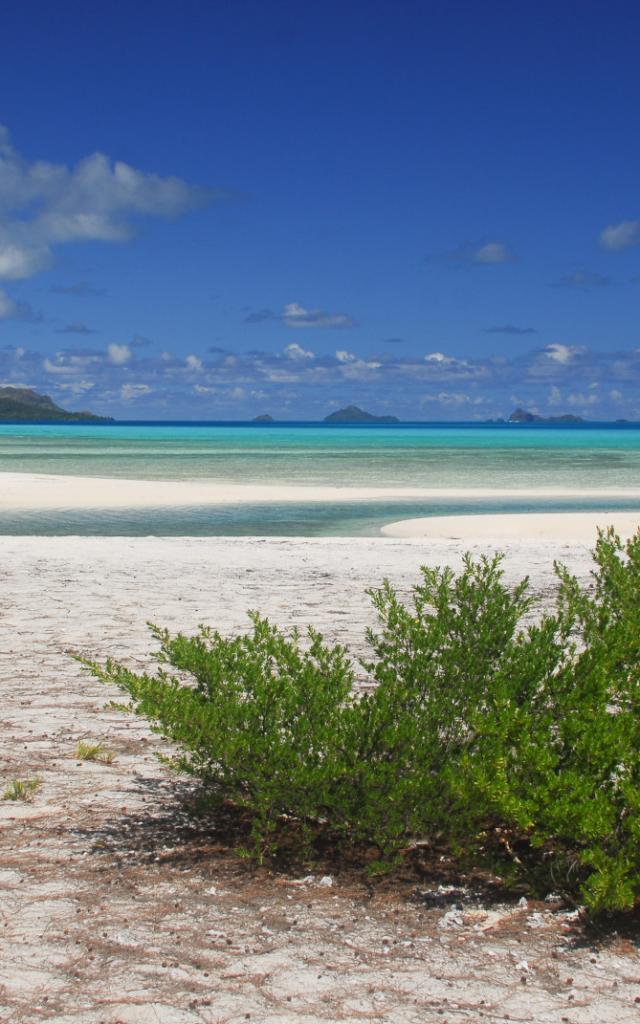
{"x": 353, "y": 414}
{"x": 24, "y": 405}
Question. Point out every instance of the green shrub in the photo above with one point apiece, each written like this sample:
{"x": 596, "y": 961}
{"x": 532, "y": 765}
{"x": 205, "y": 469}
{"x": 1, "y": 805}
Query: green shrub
{"x": 258, "y": 718}
{"x": 516, "y": 745}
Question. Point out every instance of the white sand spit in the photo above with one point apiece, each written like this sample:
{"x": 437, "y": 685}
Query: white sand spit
{"x": 41, "y": 491}
{"x": 570, "y": 527}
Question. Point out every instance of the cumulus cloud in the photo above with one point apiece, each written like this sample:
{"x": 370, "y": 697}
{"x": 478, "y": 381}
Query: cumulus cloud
{"x": 581, "y": 401}
{"x": 129, "y": 392}
{"x": 563, "y": 353}
{"x": 442, "y": 360}
{"x": 621, "y": 236}
{"x": 492, "y": 252}
{"x": 555, "y": 396}
{"x": 296, "y": 352}
{"x": 71, "y": 363}
{"x": 453, "y": 398}
{"x": 43, "y": 205}
{"x": 509, "y": 329}
{"x": 193, "y": 363}
{"x": 299, "y": 380}
{"x": 295, "y": 315}
{"x": 75, "y": 388}
{"x": 118, "y": 354}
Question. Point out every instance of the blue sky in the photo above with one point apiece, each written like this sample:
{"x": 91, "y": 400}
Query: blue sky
{"x": 222, "y": 209}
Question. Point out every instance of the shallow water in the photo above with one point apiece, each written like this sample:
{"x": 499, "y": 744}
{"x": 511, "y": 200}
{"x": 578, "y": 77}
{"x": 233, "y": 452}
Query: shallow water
{"x": 407, "y": 455}
{"x": 314, "y": 519}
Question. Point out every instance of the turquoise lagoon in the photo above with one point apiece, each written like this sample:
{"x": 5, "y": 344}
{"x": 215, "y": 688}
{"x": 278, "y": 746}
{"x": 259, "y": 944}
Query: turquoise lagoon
{"x": 440, "y": 456}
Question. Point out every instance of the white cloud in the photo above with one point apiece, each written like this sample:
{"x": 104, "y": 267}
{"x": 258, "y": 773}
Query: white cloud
{"x": 621, "y": 236}
{"x": 344, "y": 357}
{"x": 118, "y": 354}
{"x": 65, "y": 364}
{"x": 43, "y": 205}
{"x": 21, "y": 261}
{"x": 453, "y": 398}
{"x": 194, "y": 363}
{"x": 129, "y": 392}
{"x": 76, "y": 387}
{"x": 360, "y": 369}
{"x": 278, "y": 376}
{"x": 561, "y": 378}
{"x": 492, "y": 252}
{"x": 294, "y": 315}
{"x": 296, "y": 352}
{"x": 444, "y": 362}
{"x": 563, "y": 353}
{"x": 580, "y": 400}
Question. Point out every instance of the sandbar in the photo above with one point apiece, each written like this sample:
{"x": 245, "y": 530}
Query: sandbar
{"x": 44, "y": 491}
{"x": 570, "y": 527}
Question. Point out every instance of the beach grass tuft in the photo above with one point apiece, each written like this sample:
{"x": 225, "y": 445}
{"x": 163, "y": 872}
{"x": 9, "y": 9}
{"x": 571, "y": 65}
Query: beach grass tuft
{"x": 21, "y": 789}
{"x": 93, "y": 752}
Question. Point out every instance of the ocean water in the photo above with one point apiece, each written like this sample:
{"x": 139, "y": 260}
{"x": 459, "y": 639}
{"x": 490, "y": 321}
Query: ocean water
{"x": 407, "y": 455}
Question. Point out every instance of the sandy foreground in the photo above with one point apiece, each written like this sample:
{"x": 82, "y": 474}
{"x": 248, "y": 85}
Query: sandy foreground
{"x": 115, "y": 908}
{"x": 42, "y": 491}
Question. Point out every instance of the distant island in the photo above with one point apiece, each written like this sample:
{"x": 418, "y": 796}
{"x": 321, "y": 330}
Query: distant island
{"x": 352, "y": 414}
{"x": 264, "y": 418}
{"x": 523, "y": 416}
{"x": 27, "y": 406}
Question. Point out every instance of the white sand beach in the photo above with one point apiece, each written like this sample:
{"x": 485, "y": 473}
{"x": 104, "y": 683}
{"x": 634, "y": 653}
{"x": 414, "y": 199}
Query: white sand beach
{"x": 117, "y": 909}
{"x": 43, "y": 491}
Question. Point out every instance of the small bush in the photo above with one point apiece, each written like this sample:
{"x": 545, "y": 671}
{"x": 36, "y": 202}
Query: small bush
{"x": 518, "y": 746}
